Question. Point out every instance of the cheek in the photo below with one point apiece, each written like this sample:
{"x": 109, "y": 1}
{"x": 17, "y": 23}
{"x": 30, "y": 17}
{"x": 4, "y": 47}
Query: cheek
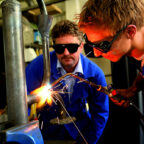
{"x": 76, "y": 55}
{"x": 123, "y": 46}
{"x": 118, "y": 49}
{"x": 97, "y": 53}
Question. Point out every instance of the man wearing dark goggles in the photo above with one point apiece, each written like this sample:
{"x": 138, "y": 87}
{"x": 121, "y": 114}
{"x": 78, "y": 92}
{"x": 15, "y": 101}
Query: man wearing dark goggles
{"x": 112, "y": 29}
{"x": 112, "y": 34}
{"x": 67, "y": 58}
{"x": 68, "y": 49}
{"x": 101, "y": 20}
{"x": 103, "y": 42}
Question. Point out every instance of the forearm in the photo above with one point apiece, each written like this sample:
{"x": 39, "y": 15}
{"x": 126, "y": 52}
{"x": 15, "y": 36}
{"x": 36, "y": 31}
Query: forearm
{"x": 138, "y": 84}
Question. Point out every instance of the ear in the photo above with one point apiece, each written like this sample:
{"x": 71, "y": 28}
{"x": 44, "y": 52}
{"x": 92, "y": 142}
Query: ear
{"x": 131, "y": 31}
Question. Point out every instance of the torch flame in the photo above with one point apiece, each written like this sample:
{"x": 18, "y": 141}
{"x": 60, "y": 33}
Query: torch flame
{"x": 45, "y": 94}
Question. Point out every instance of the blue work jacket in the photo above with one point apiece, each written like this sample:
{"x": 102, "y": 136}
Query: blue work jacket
{"x": 90, "y": 122}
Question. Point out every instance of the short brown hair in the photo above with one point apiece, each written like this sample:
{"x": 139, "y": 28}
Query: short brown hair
{"x": 65, "y": 27}
{"x": 114, "y": 14}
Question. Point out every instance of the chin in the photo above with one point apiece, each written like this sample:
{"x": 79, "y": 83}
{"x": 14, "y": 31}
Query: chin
{"x": 113, "y": 59}
{"x": 113, "y": 56}
{"x": 138, "y": 58}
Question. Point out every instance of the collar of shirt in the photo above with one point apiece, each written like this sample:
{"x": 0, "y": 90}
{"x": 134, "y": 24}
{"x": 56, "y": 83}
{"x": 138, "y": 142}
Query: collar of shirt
{"x": 78, "y": 68}
{"x": 69, "y": 83}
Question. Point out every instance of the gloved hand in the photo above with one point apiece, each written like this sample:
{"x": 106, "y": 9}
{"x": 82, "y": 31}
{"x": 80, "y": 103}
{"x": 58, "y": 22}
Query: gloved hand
{"x": 116, "y": 100}
{"x": 127, "y": 93}
{"x": 122, "y": 97}
{"x": 119, "y": 100}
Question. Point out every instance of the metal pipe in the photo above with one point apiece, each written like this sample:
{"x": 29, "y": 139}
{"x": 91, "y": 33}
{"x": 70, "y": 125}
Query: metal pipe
{"x": 14, "y": 62}
{"x": 44, "y": 23}
{"x": 31, "y": 99}
{"x": 141, "y": 108}
{"x": 50, "y": 2}
{"x": 42, "y": 7}
{"x": 46, "y": 60}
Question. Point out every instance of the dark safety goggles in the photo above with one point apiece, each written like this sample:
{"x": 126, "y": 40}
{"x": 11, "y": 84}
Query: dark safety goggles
{"x": 103, "y": 46}
{"x": 60, "y": 48}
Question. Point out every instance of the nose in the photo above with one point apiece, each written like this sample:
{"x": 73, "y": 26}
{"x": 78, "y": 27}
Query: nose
{"x": 97, "y": 53}
{"x": 66, "y": 52}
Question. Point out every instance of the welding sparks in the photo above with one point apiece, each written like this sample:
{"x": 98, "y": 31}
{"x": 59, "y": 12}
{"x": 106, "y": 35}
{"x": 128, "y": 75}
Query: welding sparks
{"x": 45, "y": 93}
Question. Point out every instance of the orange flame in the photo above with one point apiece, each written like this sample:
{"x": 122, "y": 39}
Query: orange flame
{"x": 45, "y": 94}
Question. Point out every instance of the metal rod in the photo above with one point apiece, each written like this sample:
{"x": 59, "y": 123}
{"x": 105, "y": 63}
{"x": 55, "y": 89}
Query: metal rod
{"x": 14, "y": 62}
{"x": 141, "y": 108}
{"x": 31, "y": 99}
{"x": 42, "y": 7}
{"x": 46, "y": 60}
{"x": 44, "y": 24}
{"x": 46, "y": 3}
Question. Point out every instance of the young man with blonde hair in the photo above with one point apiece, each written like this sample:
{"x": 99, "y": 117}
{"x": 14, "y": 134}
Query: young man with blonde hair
{"x": 115, "y": 28}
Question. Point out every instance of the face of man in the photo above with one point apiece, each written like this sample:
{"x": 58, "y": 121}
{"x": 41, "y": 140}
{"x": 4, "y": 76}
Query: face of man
{"x": 69, "y": 59}
{"x": 119, "y": 47}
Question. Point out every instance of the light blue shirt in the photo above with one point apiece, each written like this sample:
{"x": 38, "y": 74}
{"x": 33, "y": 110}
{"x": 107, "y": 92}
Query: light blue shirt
{"x": 70, "y": 81}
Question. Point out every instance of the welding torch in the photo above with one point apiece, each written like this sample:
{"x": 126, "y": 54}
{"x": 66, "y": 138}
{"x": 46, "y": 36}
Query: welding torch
{"x": 35, "y": 98}
{"x": 108, "y": 91}
{"x": 112, "y": 93}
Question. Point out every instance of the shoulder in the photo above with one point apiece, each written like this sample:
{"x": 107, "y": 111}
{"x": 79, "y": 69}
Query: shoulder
{"x": 92, "y": 71}
{"x": 38, "y": 61}
{"x": 53, "y": 56}
{"x": 89, "y": 66}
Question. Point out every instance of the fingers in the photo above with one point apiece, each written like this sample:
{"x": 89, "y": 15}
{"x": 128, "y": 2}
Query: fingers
{"x": 125, "y": 93}
{"x": 118, "y": 102}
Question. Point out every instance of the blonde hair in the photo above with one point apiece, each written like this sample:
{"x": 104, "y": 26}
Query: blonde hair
{"x": 114, "y": 14}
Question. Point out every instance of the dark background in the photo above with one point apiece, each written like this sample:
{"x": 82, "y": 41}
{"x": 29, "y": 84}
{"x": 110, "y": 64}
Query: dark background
{"x": 2, "y": 73}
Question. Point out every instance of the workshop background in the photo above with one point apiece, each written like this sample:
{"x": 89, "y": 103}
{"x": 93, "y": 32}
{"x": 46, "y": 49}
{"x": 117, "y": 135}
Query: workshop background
{"x": 123, "y": 126}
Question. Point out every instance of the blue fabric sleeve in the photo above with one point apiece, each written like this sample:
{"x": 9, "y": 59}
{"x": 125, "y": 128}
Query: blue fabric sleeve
{"x": 34, "y": 74}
